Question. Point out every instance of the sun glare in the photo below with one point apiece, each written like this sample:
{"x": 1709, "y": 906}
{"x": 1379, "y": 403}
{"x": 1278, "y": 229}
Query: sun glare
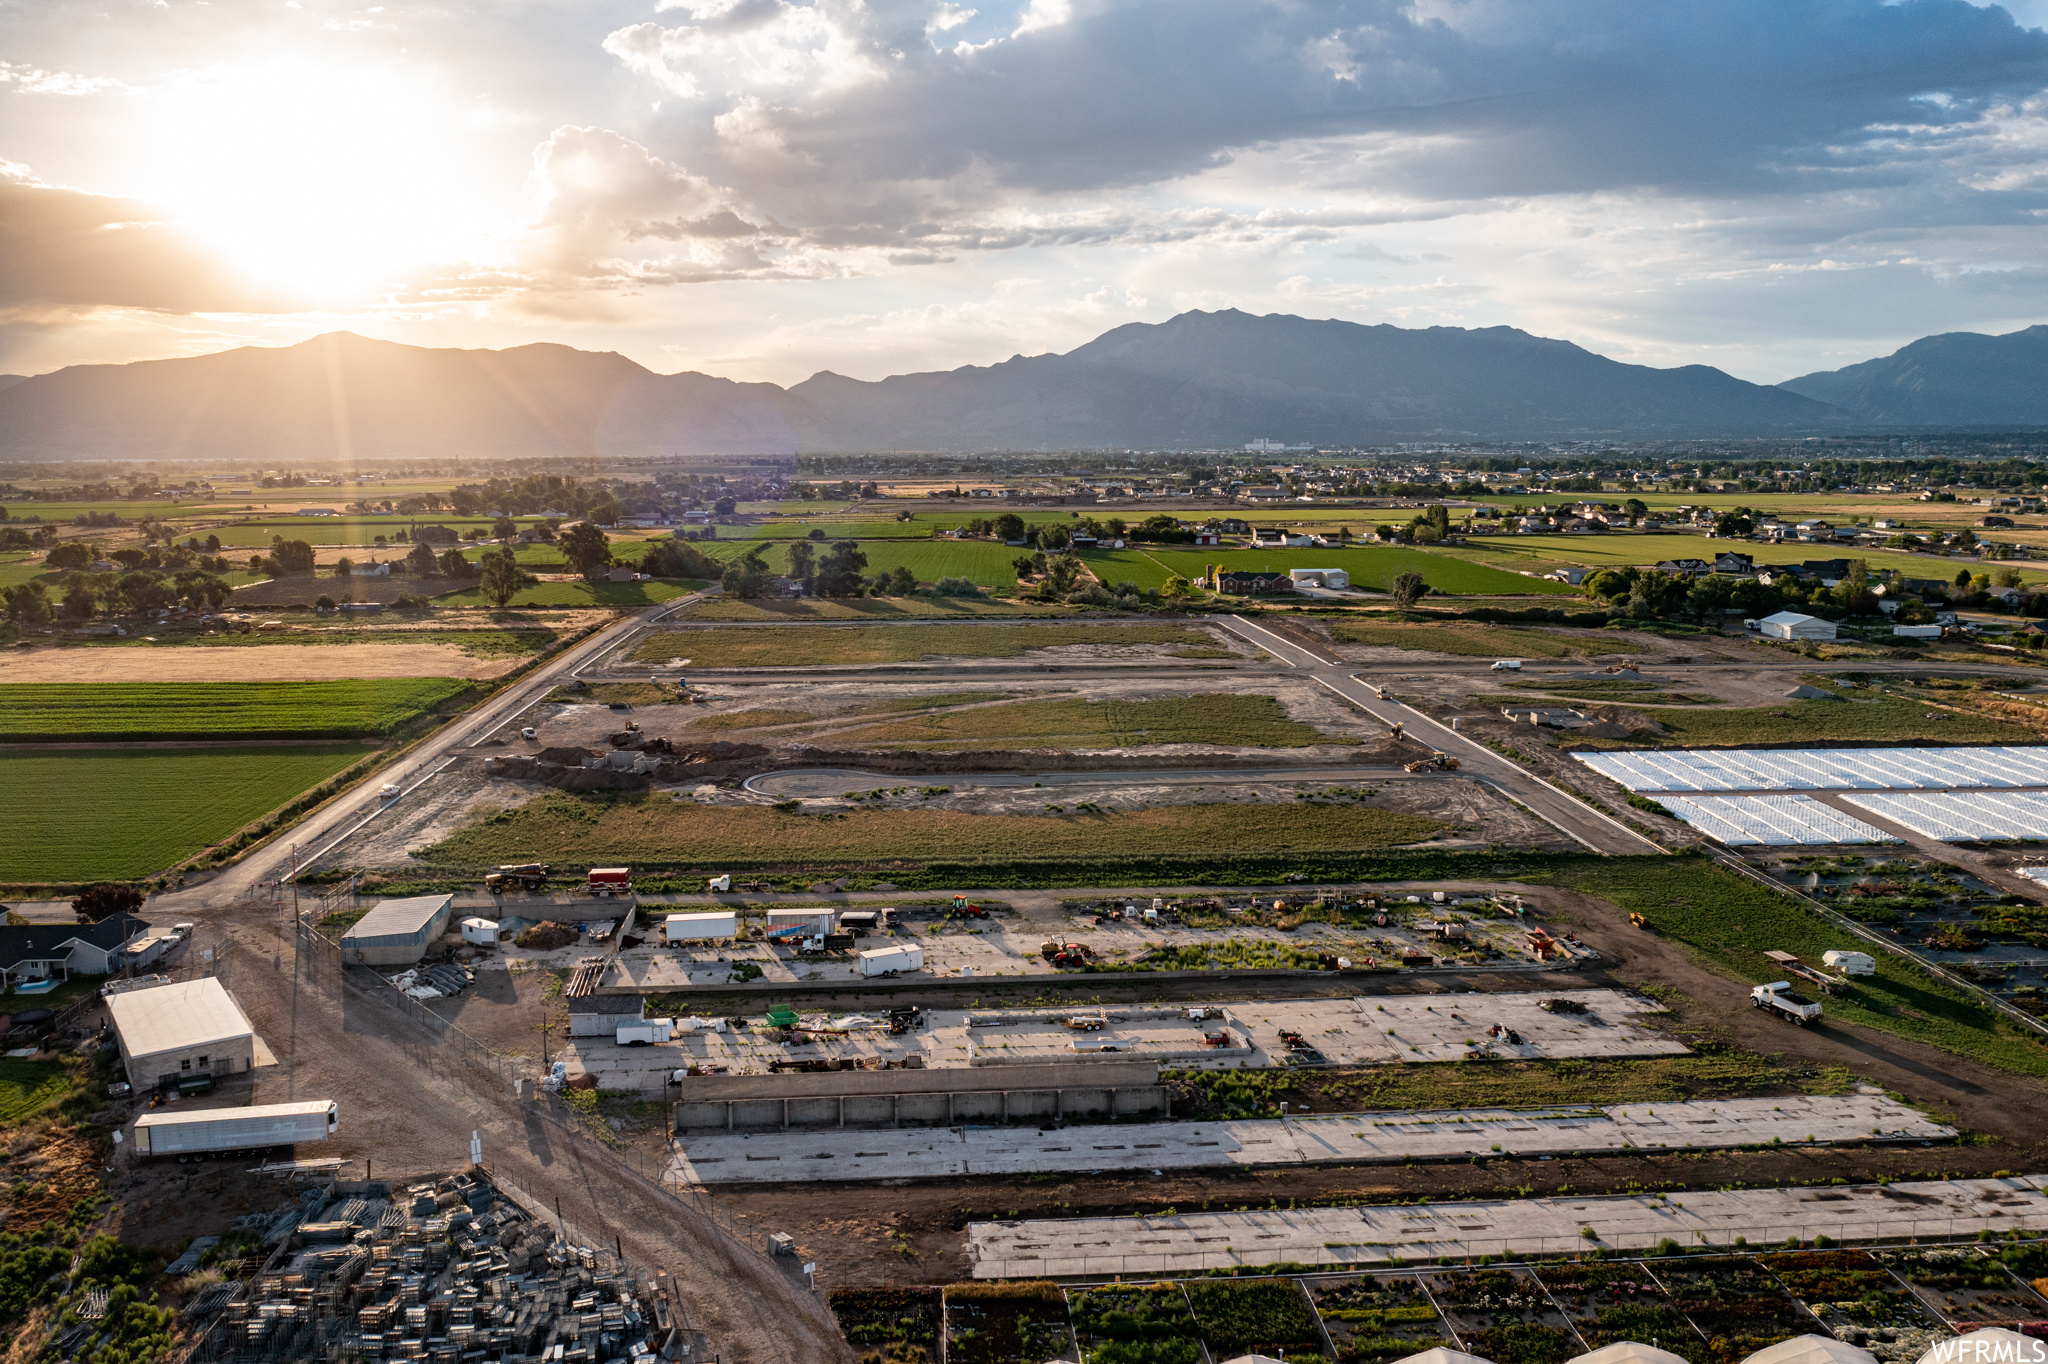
{"x": 326, "y": 183}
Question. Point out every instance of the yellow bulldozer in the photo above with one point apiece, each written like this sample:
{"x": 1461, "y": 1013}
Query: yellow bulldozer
{"x": 1435, "y": 762}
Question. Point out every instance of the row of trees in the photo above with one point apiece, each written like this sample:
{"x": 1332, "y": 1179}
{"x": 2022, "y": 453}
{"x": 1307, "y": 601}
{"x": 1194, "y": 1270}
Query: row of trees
{"x": 85, "y": 595}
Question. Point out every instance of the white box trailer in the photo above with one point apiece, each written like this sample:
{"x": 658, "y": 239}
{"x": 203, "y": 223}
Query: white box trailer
{"x": 799, "y": 923}
{"x": 236, "y": 1129}
{"x": 700, "y": 927}
{"x": 883, "y": 961}
{"x": 1850, "y": 963}
{"x": 645, "y": 1032}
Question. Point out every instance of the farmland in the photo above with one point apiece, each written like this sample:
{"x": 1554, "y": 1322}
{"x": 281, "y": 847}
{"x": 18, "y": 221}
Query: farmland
{"x": 866, "y": 608}
{"x": 1369, "y": 566}
{"x": 763, "y": 647}
{"x": 659, "y": 829}
{"x": 1888, "y": 719}
{"x": 1250, "y": 721}
{"x": 579, "y": 593}
{"x": 82, "y": 816}
{"x": 1476, "y": 641}
{"x": 64, "y": 712}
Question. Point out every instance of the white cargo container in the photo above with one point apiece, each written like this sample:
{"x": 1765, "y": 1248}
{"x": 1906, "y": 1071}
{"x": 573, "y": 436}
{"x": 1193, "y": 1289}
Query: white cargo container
{"x": 883, "y": 961}
{"x": 1917, "y": 631}
{"x": 799, "y": 923}
{"x": 700, "y": 927}
{"x": 236, "y": 1129}
{"x": 645, "y": 1032}
{"x": 1851, "y": 963}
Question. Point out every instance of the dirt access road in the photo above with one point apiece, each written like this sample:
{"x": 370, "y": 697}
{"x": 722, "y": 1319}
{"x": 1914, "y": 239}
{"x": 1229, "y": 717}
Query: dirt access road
{"x": 410, "y": 1108}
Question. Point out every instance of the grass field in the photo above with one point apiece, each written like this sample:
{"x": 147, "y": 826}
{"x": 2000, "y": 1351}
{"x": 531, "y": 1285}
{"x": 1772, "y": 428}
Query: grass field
{"x": 50, "y": 712}
{"x": 658, "y": 829}
{"x": 1728, "y": 921}
{"x": 583, "y": 594}
{"x": 1477, "y": 641}
{"x": 26, "y": 1086}
{"x": 1891, "y": 719}
{"x": 867, "y": 608}
{"x": 753, "y": 719}
{"x": 1246, "y": 721}
{"x": 1370, "y": 566}
{"x": 767, "y": 646}
{"x": 86, "y": 816}
{"x": 1605, "y": 551}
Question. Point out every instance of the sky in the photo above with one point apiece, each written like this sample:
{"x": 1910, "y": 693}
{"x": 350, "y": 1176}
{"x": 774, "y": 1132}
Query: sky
{"x": 762, "y": 189}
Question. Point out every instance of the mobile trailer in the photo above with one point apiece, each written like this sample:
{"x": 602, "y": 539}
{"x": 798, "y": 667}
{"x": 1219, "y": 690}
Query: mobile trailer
{"x": 259, "y": 1128}
{"x": 700, "y": 927}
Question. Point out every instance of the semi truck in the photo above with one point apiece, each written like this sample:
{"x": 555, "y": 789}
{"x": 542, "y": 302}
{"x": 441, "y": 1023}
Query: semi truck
{"x": 606, "y": 882}
{"x": 218, "y": 1130}
{"x": 700, "y": 927}
{"x": 888, "y": 961}
{"x": 1779, "y": 999}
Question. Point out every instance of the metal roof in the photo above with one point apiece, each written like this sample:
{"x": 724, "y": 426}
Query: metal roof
{"x": 609, "y": 1004}
{"x": 183, "y": 1014}
{"x": 405, "y": 918}
{"x": 252, "y": 1111}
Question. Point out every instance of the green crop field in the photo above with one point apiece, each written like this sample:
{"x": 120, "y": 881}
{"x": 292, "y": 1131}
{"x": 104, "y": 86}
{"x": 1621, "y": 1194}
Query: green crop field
{"x": 624, "y": 595}
{"x": 768, "y": 646}
{"x": 867, "y": 608}
{"x": 878, "y": 529}
{"x": 1536, "y": 552}
{"x": 661, "y": 829}
{"x": 61, "y": 711}
{"x": 1374, "y": 566}
{"x": 99, "y": 815}
{"x": 1227, "y": 719}
{"x": 1477, "y": 641}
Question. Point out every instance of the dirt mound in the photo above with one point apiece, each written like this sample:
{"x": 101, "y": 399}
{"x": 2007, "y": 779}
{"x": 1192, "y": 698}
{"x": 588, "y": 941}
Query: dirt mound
{"x": 546, "y": 936}
{"x": 564, "y": 757}
{"x": 1617, "y": 722}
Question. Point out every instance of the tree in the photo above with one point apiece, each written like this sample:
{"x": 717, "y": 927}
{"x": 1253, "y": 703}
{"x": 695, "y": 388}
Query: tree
{"x": 504, "y": 528}
{"x": 586, "y": 548}
{"x": 28, "y": 605}
{"x": 902, "y": 582}
{"x": 1177, "y": 588}
{"x": 607, "y": 512}
{"x": 723, "y": 506}
{"x": 420, "y": 561}
{"x": 105, "y": 899}
{"x": 344, "y": 568}
{"x": 1054, "y": 537}
{"x": 747, "y": 576}
{"x": 72, "y": 554}
{"x": 1009, "y": 526}
{"x": 213, "y": 544}
{"x": 501, "y": 576}
{"x": 453, "y": 564}
{"x": 1963, "y": 579}
{"x": 1408, "y": 589}
{"x": 803, "y": 562}
{"x": 291, "y": 556}
{"x": 839, "y": 575}
{"x": 323, "y": 602}
{"x": 1028, "y": 565}
{"x": 80, "y": 601}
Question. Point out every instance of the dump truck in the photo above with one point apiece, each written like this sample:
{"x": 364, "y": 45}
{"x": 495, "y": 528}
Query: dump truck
{"x": 1779, "y": 999}
{"x": 218, "y": 1130}
{"x": 606, "y": 882}
{"x": 889, "y": 961}
{"x": 525, "y": 876}
{"x": 700, "y": 927}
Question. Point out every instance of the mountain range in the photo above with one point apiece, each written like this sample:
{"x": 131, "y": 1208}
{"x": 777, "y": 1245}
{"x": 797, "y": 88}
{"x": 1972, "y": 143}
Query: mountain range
{"x": 1200, "y": 380}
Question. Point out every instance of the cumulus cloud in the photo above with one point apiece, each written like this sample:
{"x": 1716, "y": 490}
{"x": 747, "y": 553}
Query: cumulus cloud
{"x": 65, "y": 249}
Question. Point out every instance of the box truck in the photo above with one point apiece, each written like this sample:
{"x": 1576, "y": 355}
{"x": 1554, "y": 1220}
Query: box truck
{"x": 700, "y": 927}
{"x": 185, "y": 1135}
{"x": 888, "y": 961}
{"x": 645, "y": 1032}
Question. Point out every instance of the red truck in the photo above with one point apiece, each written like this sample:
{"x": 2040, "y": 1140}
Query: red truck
{"x": 609, "y": 881}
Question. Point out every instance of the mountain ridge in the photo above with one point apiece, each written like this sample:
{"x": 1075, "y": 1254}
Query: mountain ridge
{"x": 1201, "y": 379}
{"x": 1948, "y": 379}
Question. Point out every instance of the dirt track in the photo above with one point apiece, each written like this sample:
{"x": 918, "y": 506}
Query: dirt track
{"x": 414, "y": 1118}
{"x": 250, "y": 663}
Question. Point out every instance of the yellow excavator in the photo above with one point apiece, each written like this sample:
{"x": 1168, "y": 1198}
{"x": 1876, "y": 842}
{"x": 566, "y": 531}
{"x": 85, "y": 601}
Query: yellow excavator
{"x": 1438, "y": 762}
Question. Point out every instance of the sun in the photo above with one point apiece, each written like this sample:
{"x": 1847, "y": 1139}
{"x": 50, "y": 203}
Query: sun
{"x": 326, "y": 183}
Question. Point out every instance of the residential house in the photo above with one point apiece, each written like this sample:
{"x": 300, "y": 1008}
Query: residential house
{"x": 1246, "y": 583}
{"x": 60, "y": 951}
{"x": 1735, "y": 565}
{"x": 1814, "y": 530}
{"x": 316, "y": 511}
{"x": 370, "y": 571}
{"x": 1685, "y": 568}
{"x": 1208, "y": 537}
{"x": 1573, "y": 575}
{"x": 1231, "y": 525}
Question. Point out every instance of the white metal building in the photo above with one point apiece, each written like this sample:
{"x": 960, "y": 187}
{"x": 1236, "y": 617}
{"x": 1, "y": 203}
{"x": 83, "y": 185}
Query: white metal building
{"x": 397, "y": 932}
{"x": 1320, "y": 577}
{"x": 184, "y": 1029}
{"x": 1792, "y": 625}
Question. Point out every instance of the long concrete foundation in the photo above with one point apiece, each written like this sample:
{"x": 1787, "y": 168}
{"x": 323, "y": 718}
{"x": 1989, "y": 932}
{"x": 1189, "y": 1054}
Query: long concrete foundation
{"x": 921, "y": 1098}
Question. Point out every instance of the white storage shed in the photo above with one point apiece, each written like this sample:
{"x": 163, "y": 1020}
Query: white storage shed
{"x": 182, "y": 1030}
{"x": 397, "y": 932}
{"x": 1792, "y": 625}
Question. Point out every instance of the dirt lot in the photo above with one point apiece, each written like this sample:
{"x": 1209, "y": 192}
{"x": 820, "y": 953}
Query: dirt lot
{"x": 250, "y": 663}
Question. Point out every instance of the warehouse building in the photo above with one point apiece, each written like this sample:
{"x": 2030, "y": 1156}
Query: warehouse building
{"x": 397, "y": 932}
{"x": 181, "y": 1031}
{"x": 1793, "y": 625}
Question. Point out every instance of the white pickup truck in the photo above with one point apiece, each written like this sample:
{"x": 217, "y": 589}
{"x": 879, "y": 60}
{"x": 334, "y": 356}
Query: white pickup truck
{"x": 1779, "y": 998}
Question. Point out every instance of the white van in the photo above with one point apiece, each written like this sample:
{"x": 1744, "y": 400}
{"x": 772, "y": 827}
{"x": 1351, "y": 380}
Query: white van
{"x": 1508, "y": 665}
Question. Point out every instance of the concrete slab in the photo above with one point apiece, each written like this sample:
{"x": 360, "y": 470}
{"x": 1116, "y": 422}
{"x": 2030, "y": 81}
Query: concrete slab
{"x": 1347, "y": 1032}
{"x": 912, "y": 1153}
{"x": 1100, "y": 1247}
